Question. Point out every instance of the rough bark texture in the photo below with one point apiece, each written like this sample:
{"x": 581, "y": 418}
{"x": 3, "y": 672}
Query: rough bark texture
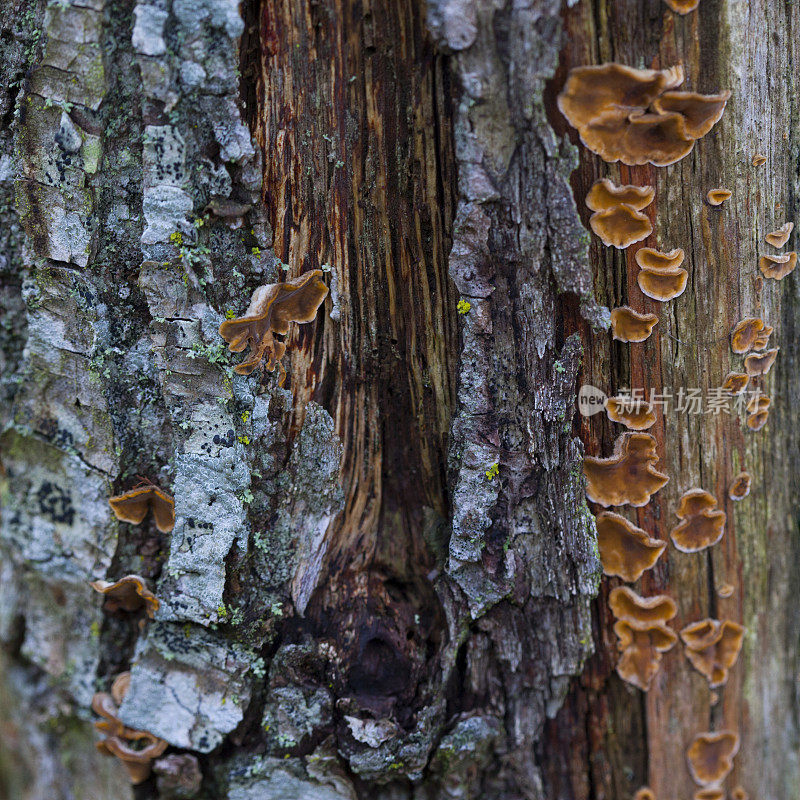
{"x": 354, "y": 603}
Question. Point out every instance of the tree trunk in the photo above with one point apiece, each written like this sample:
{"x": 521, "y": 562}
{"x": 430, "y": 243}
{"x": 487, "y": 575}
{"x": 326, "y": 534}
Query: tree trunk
{"x": 381, "y": 581}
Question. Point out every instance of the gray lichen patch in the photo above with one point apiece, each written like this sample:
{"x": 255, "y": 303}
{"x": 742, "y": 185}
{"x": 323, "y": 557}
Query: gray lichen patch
{"x": 188, "y": 686}
{"x": 280, "y": 779}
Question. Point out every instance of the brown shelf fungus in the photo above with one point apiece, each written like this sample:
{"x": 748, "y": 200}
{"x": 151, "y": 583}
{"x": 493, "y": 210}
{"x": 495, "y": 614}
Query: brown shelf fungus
{"x": 758, "y": 402}
{"x": 641, "y": 651}
{"x": 136, "y": 749}
{"x": 628, "y": 477}
{"x": 625, "y": 550}
{"x": 645, "y": 793}
{"x": 628, "y": 606}
{"x": 701, "y": 526}
{"x": 682, "y": 6}
{"x": 628, "y": 325}
{"x": 272, "y": 307}
{"x": 745, "y": 333}
{"x": 740, "y": 487}
{"x": 620, "y": 226}
{"x": 735, "y": 382}
{"x": 631, "y": 115}
{"x": 725, "y": 590}
{"x": 635, "y": 414}
{"x": 712, "y": 648}
{"x": 778, "y": 267}
{"x": 650, "y": 258}
{"x": 605, "y": 194}
{"x": 759, "y": 160}
{"x": 711, "y": 793}
{"x": 739, "y": 793}
{"x": 755, "y": 422}
{"x": 762, "y": 340}
{"x": 760, "y": 363}
{"x": 664, "y": 284}
{"x": 127, "y": 594}
{"x": 710, "y": 756}
{"x": 132, "y": 506}
{"x": 716, "y": 197}
{"x": 779, "y": 237}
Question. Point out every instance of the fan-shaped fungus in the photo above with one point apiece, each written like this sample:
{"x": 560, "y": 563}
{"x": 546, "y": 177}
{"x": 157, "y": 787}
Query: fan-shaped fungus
{"x": 136, "y": 749}
{"x": 745, "y": 333}
{"x": 739, "y": 794}
{"x": 779, "y": 237}
{"x": 713, "y": 647}
{"x": 755, "y": 422}
{"x": 645, "y": 793}
{"x": 760, "y": 363}
{"x": 726, "y": 590}
{"x": 759, "y": 160}
{"x": 778, "y": 267}
{"x": 682, "y": 6}
{"x": 635, "y": 414}
{"x": 758, "y": 402}
{"x": 664, "y": 284}
{"x": 641, "y": 651}
{"x": 709, "y": 794}
{"x": 127, "y": 594}
{"x": 605, "y": 194}
{"x": 628, "y": 325}
{"x": 700, "y": 526}
{"x": 710, "y": 756}
{"x": 630, "y": 115}
{"x": 735, "y": 382}
{"x": 625, "y": 550}
{"x": 271, "y": 309}
{"x": 626, "y": 477}
{"x": 620, "y": 226}
{"x": 740, "y": 487}
{"x": 716, "y": 197}
{"x": 762, "y": 340}
{"x": 132, "y": 506}
{"x": 650, "y": 258}
{"x": 639, "y": 611}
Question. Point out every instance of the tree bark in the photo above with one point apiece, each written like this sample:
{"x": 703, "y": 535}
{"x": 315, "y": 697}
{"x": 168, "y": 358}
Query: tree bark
{"x": 382, "y": 577}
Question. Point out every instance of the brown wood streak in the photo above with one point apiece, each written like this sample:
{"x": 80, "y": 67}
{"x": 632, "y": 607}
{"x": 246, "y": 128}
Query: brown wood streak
{"x": 356, "y": 141}
{"x": 690, "y": 348}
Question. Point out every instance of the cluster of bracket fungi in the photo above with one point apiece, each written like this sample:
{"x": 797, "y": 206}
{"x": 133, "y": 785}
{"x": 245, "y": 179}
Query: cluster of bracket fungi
{"x": 272, "y": 308}
{"x": 638, "y": 116}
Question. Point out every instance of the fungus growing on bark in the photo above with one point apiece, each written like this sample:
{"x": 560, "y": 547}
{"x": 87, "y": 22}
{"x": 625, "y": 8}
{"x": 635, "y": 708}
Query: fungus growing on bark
{"x": 740, "y": 487}
{"x": 716, "y": 197}
{"x": 641, "y": 649}
{"x": 760, "y": 363}
{"x": 628, "y": 477}
{"x": 758, "y": 402}
{"x": 726, "y": 590}
{"x": 635, "y": 414}
{"x": 778, "y": 267}
{"x": 271, "y": 309}
{"x": 639, "y": 611}
{"x": 762, "y": 340}
{"x": 712, "y": 647}
{"x": 132, "y": 506}
{"x": 625, "y": 550}
{"x": 745, "y": 333}
{"x": 628, "y": 325}
{"x": 682, "y": 6}
{"x": 127, "y": 594}
{"x": 779, "y": 237}
{"x": 755, "y": 422}
{"x": 735, "y": 382}
{"x": 759, "y": 160}
{"x": 710, "y": 756}
{"x": 650, "y": 258}
{"x": 645, "y": 793}
{"x": 631, "y": 115}
{"x": 605, "y": 194}
{"x": 663, "y": 285}
{"x": 620, "y": 226}
{"x": 136, "y": 749}
{"x": 739, "y": 794}
{"x": 709, "y": 794}
{"x": 701, "y": 526}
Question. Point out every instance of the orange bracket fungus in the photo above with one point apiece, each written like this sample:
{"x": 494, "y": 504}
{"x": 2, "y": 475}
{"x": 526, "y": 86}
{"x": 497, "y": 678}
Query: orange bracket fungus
{"x": 709, "y": 794}
{"x": 663, "y": 285}
{"x": 701, "y": 526}
{"x": 726, "y": 590}
{"x": 620, "y": 226}
{"x": 645, "y": 793}
{"x": 625, "y": 550}
{"x": 759, "y": 160}
{"x": 633, "y": 413}
{"x": 735, "y": 382}
{"x": 127, "y": 594}
{"x": 642, "y": 633}
{"x": 272, "y": 307}
{"x": 740, "y": 487}
{"x": 713, "y": 647}
{"x": 762, "y": 340}
{"x": 650, "y": 258}
{"x": 745, "y": 333}
{"x": 716, "y": 197}
{"x": 605, "y": 194}
{"x": 628, "y": 325}
{"x": 758, "y": 402}
{"x": 136, "y": 749}
{"x": 760, "y": 363}
{"x": 682, "y": 6}
{"x": 628, "y": 477}
{"x": 755, "y": 422}
{"x": 132, "y": 506}
{"x": 631, "y": 115}
{"x": 739, "y": 794}
{"x": 710, "y": 756}
{"x": 778, "y": 267}
{"x": 779, "y": 237}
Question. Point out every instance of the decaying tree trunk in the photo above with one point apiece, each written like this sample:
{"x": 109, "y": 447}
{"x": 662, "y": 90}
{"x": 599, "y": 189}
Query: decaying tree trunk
{"x": 381, "y": 581}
